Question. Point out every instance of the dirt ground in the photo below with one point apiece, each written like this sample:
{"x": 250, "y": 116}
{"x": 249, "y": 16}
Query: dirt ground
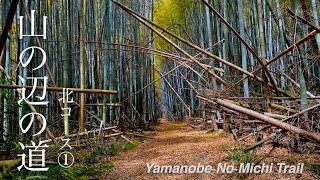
{"x": 176, "y": 143}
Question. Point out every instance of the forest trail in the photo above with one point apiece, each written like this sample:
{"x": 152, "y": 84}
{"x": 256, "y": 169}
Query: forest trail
{"x": 175, "y": 143}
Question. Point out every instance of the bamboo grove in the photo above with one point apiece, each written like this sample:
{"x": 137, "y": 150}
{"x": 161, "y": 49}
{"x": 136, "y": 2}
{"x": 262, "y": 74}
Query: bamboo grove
{"x": 131, "y": 62}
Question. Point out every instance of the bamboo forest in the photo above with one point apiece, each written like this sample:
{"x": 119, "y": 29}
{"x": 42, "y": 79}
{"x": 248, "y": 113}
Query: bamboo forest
{"x": 159, "y": 89}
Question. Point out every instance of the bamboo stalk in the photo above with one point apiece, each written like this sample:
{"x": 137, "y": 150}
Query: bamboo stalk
{"x": 277, "y": 116}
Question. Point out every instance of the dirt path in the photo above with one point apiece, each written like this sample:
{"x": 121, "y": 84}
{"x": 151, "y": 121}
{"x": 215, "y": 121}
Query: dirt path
{"x": 176, "y": 144}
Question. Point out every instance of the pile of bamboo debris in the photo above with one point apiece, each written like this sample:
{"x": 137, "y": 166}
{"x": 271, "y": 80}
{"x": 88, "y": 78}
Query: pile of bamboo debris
{"x": 81, "y": 139}
{"x": 286, "y": 125}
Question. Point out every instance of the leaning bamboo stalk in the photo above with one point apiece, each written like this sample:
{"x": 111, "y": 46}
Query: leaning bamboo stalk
{"x": 277, "y": 57}
{"x": 269, "y": 120}
{"x": 157, "y": 52}
{"x": 175, "y": 92}
{"x": 304, "y": 20}
{"x": 8, "y": 24}
{"x": 295, "y": 83}
{"x": 77, "y": 90}
{"x": 165, "y": 74}
{"x": 173, "y": 44}
{"x": 249, "y": 48}
{"x": 254, "y": 77}
{"x": 163, "y": 53}
{"x": 212, "y": 102}
{"x": 85, "y": 110}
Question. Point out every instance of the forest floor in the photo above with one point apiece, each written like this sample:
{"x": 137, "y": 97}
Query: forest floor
{"x": 176, "y": 143}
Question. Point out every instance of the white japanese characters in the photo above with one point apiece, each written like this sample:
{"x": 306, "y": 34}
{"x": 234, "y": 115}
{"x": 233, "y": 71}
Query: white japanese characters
{"x": 34, "y": 160}
{"x": 44, "y": 35}
{"x": 36, "y": 154}
{"x": 66, "y": 100}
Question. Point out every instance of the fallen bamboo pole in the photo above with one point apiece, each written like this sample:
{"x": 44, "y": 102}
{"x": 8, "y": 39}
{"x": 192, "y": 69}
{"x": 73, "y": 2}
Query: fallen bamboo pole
{"x": 277, "y": 116}
{"x": 107, "y": 104}
{"x": 283, "y": 120}
{"x": 77, "y": 90}
{"x": 123, "y": 137}
{"x": 260, "y": 142}
{"x": 276, "y": 98}
{"x": 139, "y": 135}
{"x": 269, "y": 120}
{"x": 80, "y": 134}
{"x": 114, "y": 134}
{"x": 277, "y": 106}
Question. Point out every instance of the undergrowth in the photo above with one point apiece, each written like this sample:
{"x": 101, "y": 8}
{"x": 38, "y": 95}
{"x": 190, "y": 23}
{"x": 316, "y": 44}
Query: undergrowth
{"x": 240, "y": 156}
{"x": 313, "y": 167}
{"x": 90, "y": 163}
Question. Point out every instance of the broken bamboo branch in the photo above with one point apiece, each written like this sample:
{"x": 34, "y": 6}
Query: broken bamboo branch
{"x": 80, "y": 134}
{"x": 260, "y": 142}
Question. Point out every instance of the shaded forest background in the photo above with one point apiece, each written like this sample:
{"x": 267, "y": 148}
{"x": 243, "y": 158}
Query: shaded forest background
{"x": 98, "y": 45}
